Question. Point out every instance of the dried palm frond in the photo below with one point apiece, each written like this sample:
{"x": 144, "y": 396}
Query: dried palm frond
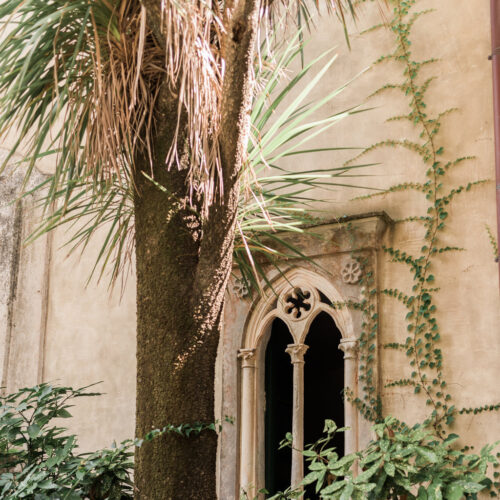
{"x": 272, "y": 199}
{"x": 127, "y": 70}
{"x": 192, "y": 31}
{"x": 79, "y": 79}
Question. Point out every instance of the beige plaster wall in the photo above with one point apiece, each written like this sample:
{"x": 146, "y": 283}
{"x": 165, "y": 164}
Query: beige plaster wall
{"x": 91, "y": 338}
{"x": 90, "y": 332}
{"x": 468, "y": 303}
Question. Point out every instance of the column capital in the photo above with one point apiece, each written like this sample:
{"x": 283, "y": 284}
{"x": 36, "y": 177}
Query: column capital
{"x": 350, "y": 347}
{"x": 297, "y": 352}
{"x": 247, "y": 357}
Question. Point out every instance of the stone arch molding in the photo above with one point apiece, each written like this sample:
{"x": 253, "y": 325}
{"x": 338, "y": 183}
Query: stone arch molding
{"x": 294, "y": 297}
{"x": 277, "y": 302}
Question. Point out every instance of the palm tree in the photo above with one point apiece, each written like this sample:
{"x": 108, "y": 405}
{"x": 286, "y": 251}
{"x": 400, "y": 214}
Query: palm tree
{"x": 156, "y": 143}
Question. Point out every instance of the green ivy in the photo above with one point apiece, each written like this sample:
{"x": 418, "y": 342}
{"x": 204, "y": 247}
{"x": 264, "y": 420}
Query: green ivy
{"x": 423, "y": 333}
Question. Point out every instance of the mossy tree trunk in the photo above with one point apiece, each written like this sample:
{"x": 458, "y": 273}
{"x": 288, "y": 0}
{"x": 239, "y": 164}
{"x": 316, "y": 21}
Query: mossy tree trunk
{"x": 183, "y": 265}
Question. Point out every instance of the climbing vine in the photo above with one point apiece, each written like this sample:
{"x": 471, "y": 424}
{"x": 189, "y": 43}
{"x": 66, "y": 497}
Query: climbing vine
{"x": 422, "y": 343}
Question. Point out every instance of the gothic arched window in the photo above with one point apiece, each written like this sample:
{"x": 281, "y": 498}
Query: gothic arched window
{"x": 292, "y": 378}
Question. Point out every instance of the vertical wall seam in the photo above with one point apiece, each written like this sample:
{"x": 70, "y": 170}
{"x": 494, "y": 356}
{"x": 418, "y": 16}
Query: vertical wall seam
{"x": 44, "y": 313}
{"x": 13, "y": 284}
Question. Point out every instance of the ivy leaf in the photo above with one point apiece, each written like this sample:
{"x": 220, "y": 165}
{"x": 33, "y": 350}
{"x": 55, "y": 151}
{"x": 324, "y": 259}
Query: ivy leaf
{"x": 62, "y": 413}
{"x": 451, "y": 439}
{"x": 332, "y": 488}
{"x": 367, "y": 474}
{"x": 312, "y": 477}
{"x": 428, "y": 454}
{"x": 470, "y": 487}
{"x": 33, "y": 431}
{"x": 346, "y": 494}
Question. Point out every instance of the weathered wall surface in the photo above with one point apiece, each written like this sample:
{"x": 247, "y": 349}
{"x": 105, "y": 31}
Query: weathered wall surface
{"x": 55, "y": 328}
{"x": 468, "y": 305}
{"x": 91, "y": 338}
{"x": 24, "y": 279}
{"x": 89, "y": 333}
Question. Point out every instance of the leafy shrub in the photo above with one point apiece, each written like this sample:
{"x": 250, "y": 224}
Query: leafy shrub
{"x": 402, "y": 463}
{"x": 39, "y": 459}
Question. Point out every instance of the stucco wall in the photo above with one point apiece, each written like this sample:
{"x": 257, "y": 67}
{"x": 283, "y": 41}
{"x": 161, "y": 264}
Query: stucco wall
{"x": 89, "y": 331}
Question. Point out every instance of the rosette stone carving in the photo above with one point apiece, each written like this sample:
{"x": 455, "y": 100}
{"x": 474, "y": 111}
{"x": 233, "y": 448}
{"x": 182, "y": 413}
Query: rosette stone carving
{"x": 297, "y": 302}
{"x": 240, "y": 289}
{"x": 351, "y": 272}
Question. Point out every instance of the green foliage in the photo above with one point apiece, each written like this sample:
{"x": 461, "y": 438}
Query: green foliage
{"x": 40, "y": 460}
{"x": 493, "y": 243}
{"x": 274, "y": 200}
{"x": 401, "y": 463}
{"x": 420, "y": 341}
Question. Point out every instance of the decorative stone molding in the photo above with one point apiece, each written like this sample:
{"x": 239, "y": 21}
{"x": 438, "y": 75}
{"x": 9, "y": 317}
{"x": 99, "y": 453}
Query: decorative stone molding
{"x": 267, "y": 308}
{"x": 240, "y": 289}
{"x": 296, "y": 352}
{"x": 296, "y": 295}
{"x": 298, "y": 302}
{"x": 351, "y": 272}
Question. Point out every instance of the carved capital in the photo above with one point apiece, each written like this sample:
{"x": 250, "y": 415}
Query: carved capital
{"x": 349, "y": 347}
{"x": 247, "y": 357}
{"x": 297, "y": 352}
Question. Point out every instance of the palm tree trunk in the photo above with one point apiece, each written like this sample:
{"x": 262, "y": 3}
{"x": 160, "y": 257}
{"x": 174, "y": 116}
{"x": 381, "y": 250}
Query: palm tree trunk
{"x": 179, "y": 307}
{"x": 183, "y": 265}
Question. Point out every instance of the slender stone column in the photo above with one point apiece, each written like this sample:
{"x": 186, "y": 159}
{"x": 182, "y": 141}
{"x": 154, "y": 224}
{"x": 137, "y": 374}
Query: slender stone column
{"x": 350, "y": 347}
{"x": 297, "y": 352}
{"x": 247, "y": 454}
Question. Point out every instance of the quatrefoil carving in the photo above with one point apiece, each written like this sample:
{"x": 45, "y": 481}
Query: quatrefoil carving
{"x": 240, "y": 289}
{"x": 297, "y": 302}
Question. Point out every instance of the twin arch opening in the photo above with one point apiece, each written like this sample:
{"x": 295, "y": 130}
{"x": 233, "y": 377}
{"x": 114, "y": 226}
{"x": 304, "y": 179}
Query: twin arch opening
{"x": 323, "y": 394}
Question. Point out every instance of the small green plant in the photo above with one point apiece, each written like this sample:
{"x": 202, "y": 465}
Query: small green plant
{"x": 402, "y": 463}
{"x": 39, "y": 459}
{"x": 493, "y": 242}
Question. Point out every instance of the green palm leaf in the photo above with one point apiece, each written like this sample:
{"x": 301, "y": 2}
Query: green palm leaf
{"x": 69, "y": 79}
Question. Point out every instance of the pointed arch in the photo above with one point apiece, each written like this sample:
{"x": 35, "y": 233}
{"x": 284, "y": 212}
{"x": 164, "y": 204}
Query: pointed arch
{"x": 272, "y": 304}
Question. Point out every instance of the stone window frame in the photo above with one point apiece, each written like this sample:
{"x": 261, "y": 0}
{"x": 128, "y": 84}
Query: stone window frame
{"x": 252, "y": 356}
{"x": 331, "y": 259}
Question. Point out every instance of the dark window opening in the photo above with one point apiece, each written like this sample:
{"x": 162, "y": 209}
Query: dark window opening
{"x": 323, "y": 298}
{"x": 279, "y": 399}
{"x": 323, "y": 384}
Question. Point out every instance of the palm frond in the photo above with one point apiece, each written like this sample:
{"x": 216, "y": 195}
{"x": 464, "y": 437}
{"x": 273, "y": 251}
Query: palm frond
{"x": 273, "y": 199}
{"x": 80, "y": 81}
